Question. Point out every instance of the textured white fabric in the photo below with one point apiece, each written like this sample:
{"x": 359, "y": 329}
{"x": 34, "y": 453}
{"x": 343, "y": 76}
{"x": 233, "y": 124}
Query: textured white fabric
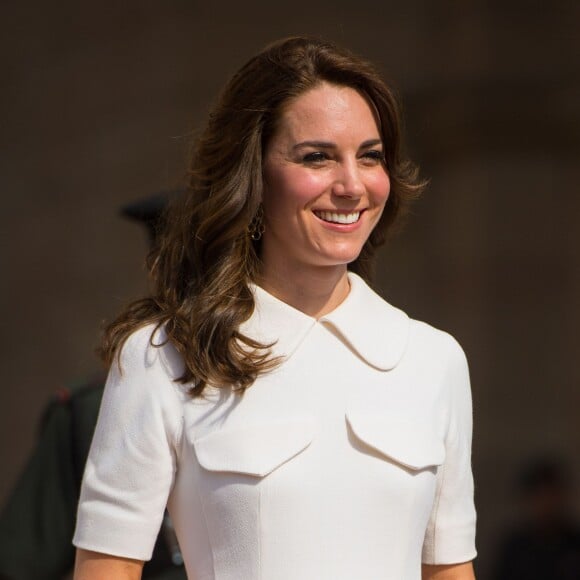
{"x": 349, "y": 461}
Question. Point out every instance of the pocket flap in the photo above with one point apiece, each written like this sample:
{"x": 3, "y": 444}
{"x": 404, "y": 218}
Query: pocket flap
{"x": 412, "y": 444}
{"x": 257, "y": 449}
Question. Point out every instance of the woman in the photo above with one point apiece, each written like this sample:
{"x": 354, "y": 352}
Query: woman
{"x": 294, "y": 423}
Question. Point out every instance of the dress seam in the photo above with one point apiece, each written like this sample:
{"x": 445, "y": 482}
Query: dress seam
{"x": 441, "y": 484}
{"x": 436, "y": 515}
{"x": 209, "y": 536}
{"x": 259, "y": 530}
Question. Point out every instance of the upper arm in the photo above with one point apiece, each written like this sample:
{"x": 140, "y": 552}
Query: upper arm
{"x": 450, "y": 536}
{"x": 133, "y": 458}
{"x": 95, "y": 565}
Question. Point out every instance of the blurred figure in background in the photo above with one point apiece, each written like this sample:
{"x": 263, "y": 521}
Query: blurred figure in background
{"x": 545, "y": 545}
{"x": 37, "y": 522}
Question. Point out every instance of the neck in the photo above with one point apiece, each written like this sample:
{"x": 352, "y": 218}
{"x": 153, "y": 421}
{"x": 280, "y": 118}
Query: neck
{"x": 315, "y": 291}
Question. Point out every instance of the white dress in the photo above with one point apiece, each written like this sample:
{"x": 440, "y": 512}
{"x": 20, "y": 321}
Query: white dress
{"x": 350, "y": 461}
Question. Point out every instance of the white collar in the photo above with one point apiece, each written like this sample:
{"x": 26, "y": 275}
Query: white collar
{"x": 375, "y": 330}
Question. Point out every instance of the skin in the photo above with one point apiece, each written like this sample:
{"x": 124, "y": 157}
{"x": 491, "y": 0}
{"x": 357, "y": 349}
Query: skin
{"x": 326, "y": 154}
{"x": 448, "y": 572}
{"x": 96, "y": 566}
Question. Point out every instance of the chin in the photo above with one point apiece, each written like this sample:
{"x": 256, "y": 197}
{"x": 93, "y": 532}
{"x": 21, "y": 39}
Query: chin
{"x": 343, "y": 259}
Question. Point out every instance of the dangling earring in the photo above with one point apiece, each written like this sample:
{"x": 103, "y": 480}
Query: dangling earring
{"x": 256, "y": 227}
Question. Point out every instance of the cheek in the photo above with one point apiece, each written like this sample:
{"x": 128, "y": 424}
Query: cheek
{"x": 380, "y": 188}
{"x": 291, "y": 189}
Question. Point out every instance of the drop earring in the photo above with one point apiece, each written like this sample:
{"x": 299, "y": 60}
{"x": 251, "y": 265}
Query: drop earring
{"x": 256, "y": 227}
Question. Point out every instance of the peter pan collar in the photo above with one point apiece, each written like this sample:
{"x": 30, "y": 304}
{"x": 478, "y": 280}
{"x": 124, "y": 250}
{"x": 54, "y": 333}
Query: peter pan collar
{"x": 375, "y": 330}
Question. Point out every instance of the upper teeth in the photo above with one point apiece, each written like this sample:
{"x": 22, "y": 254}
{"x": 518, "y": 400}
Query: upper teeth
{"x": 339, "y": 218}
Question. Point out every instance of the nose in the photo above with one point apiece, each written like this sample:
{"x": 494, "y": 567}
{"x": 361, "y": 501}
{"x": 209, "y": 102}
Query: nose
{"x": 348, "y": 182}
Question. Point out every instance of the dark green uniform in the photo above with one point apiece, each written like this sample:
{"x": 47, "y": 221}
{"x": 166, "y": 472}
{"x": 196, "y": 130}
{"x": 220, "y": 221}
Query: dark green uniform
{"x": 37, "y": 523}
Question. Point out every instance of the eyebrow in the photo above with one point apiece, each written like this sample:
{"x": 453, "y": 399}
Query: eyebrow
{"x": 330, "y": 145}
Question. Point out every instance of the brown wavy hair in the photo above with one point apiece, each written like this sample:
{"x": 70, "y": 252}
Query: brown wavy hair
{"x": 205, "y": 260}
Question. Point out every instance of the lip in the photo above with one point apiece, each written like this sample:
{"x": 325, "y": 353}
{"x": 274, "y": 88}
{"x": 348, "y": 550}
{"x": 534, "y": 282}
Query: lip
{"x": 345, "y": 211}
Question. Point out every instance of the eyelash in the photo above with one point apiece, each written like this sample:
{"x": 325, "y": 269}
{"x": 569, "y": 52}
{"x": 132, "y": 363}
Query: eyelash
{"x": 319, "y": 156}
{"x": 375, "y": 154}
{"x": 315, "y": 157}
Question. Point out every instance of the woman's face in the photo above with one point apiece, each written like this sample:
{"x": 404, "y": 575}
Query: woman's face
{"x": 325, "y": 183}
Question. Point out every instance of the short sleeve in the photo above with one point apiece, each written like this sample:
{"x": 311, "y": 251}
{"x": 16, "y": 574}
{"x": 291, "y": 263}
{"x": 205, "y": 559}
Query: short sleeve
{"x": 450, "y": 536}
{"x": 133, "y": 457}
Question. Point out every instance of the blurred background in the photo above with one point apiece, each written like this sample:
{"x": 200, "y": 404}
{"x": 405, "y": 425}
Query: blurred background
{"x": 99, "y": 102}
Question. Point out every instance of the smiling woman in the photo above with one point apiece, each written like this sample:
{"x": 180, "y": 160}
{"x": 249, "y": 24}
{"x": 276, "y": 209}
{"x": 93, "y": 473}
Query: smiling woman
{"x": 294, "y": 423}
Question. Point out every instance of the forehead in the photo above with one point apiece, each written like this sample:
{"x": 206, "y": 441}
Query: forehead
{"x": 328, "y": 111}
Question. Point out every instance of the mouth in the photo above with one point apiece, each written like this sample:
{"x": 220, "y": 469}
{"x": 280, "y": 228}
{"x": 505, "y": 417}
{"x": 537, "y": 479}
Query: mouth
{"x": 334, "y": 217}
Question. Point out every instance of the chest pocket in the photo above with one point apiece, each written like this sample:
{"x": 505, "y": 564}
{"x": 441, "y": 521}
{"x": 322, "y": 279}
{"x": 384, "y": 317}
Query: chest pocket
{"x": 256, "y": 449}
{"x": 412, "y": 444}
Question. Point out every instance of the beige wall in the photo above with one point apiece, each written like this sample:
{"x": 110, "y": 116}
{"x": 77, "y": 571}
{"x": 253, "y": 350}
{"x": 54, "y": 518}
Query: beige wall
{"x": 98, "y": 104}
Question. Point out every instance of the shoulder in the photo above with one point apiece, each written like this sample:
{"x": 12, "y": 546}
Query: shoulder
{"x": 438, "y": 342}
{"x": 146, "y": 373}
{"x": 439, "y": 359}
{"x": 437, "y": 355}
{"x": 148, "y": 349}
{"x": 138, "y": 344}
{"x": 143, "y": 384}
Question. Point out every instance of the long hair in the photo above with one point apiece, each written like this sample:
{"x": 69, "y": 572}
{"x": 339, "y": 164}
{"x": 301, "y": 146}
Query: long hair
{"x": 205, "y": 261}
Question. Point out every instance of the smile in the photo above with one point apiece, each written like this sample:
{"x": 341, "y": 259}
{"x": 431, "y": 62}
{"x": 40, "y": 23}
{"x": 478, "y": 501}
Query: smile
{"x": 338, "y": 218}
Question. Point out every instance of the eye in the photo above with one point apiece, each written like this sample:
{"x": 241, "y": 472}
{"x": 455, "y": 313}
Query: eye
{"x": 374, "y": 155}
{"x": 315, "y": 157}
